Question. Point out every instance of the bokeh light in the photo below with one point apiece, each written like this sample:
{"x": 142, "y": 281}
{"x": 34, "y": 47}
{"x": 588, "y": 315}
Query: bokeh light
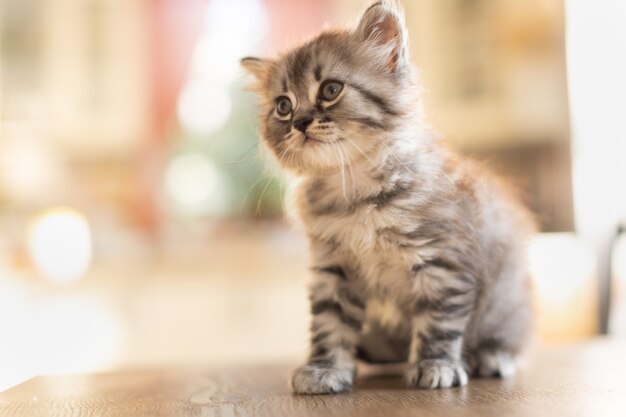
{"x": 28, "y": 168}
{"x": 59, "y": 243}
{"x": 203, "y": 106}
{"x": 195, "y": 186}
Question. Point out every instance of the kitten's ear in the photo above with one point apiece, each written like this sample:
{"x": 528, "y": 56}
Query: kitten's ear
{"x": 257, "y": 67}
{"x": 383, "y": 26}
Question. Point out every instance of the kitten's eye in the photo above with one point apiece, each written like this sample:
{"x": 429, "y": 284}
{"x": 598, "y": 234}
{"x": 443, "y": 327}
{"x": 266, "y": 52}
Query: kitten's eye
{"x": 330, "y": 90}
{"x": 283, "y": 106}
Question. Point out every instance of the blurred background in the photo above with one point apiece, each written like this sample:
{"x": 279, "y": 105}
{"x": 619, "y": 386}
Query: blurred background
{"x": 140, "y": 224}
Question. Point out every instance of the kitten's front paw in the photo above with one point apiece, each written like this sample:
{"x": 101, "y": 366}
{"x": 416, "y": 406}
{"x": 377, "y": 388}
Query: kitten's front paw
{"x": 322, "y": 379}
{"x": 435, "y": 373}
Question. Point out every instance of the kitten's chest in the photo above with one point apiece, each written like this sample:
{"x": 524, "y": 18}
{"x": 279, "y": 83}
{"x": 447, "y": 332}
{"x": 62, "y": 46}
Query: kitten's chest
{"x": 362, "y": 237}
{"x": 358, "y": 230}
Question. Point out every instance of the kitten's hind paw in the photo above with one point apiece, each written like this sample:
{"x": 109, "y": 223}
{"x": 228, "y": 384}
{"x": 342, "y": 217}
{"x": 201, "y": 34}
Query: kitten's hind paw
{"x": 495, "y": 364}
{"x": 322, "y": 379}
{"x": 435, "y": 373}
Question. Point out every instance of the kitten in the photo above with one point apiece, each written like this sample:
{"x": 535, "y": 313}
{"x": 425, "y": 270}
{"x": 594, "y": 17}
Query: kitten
{"x": 417, "y": 255}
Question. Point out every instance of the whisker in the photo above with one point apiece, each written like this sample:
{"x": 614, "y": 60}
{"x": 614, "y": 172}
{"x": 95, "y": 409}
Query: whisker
{"x": 282, "y": 154}
{"x": 260, "y": 199}
{"x": 245, "y": 196}
{"x": 352, "y": 177}
{"x": 241, "y": 157}
{"x": 238, "y": 161}
{"x": 343, "y": 174}
{"x": 358, "y": 148}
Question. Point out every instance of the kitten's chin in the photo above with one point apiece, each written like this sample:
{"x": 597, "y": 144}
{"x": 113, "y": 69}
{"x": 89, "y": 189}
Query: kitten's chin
{"x": 318, "y": 167}
{"x": 309, "y": 162}
{"x": 315, "y": 156}
{"x": 306, "y": 168}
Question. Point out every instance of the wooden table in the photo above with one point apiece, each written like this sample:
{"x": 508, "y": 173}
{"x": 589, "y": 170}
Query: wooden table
{"x": 587, "y": 379}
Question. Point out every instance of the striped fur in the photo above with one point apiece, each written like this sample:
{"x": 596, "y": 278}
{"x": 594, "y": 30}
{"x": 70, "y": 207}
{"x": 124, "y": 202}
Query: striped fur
{"x": 417, "y": 255}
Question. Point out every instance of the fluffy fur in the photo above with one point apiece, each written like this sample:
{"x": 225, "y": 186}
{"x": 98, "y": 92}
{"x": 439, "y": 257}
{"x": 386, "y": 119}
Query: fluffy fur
{"x": 417, "y": 255}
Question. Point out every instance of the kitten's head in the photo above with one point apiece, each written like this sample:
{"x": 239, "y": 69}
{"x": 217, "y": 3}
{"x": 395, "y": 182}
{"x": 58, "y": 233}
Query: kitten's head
{"x": 337, "y": 98}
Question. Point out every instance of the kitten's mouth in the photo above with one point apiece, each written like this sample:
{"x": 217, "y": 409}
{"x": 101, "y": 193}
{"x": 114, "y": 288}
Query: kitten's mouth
{"x": 313, "y": 139}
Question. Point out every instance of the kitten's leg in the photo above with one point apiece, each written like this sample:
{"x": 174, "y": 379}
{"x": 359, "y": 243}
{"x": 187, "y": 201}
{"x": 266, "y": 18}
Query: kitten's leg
{"x": 338, "y": 313}
{"x": 504, "y": 326}
{"x": 441, "y": 314}
{"x": 497, "y": 353}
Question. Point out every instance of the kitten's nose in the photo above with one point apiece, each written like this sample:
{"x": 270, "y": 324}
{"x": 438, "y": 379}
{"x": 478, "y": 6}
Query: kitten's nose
{"x": 302, "y": 123}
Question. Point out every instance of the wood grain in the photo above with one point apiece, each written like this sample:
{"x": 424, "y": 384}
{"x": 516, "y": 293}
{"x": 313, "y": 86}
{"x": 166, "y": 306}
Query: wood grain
{"x": 588, "y": 379}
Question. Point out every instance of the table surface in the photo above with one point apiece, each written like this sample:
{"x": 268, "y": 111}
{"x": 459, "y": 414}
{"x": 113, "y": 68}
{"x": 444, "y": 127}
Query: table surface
{"x": 586, "y": 379}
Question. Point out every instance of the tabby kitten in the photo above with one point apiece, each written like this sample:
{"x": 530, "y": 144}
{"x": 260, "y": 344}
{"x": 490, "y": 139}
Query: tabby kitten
{"x": 417, "y": 255}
